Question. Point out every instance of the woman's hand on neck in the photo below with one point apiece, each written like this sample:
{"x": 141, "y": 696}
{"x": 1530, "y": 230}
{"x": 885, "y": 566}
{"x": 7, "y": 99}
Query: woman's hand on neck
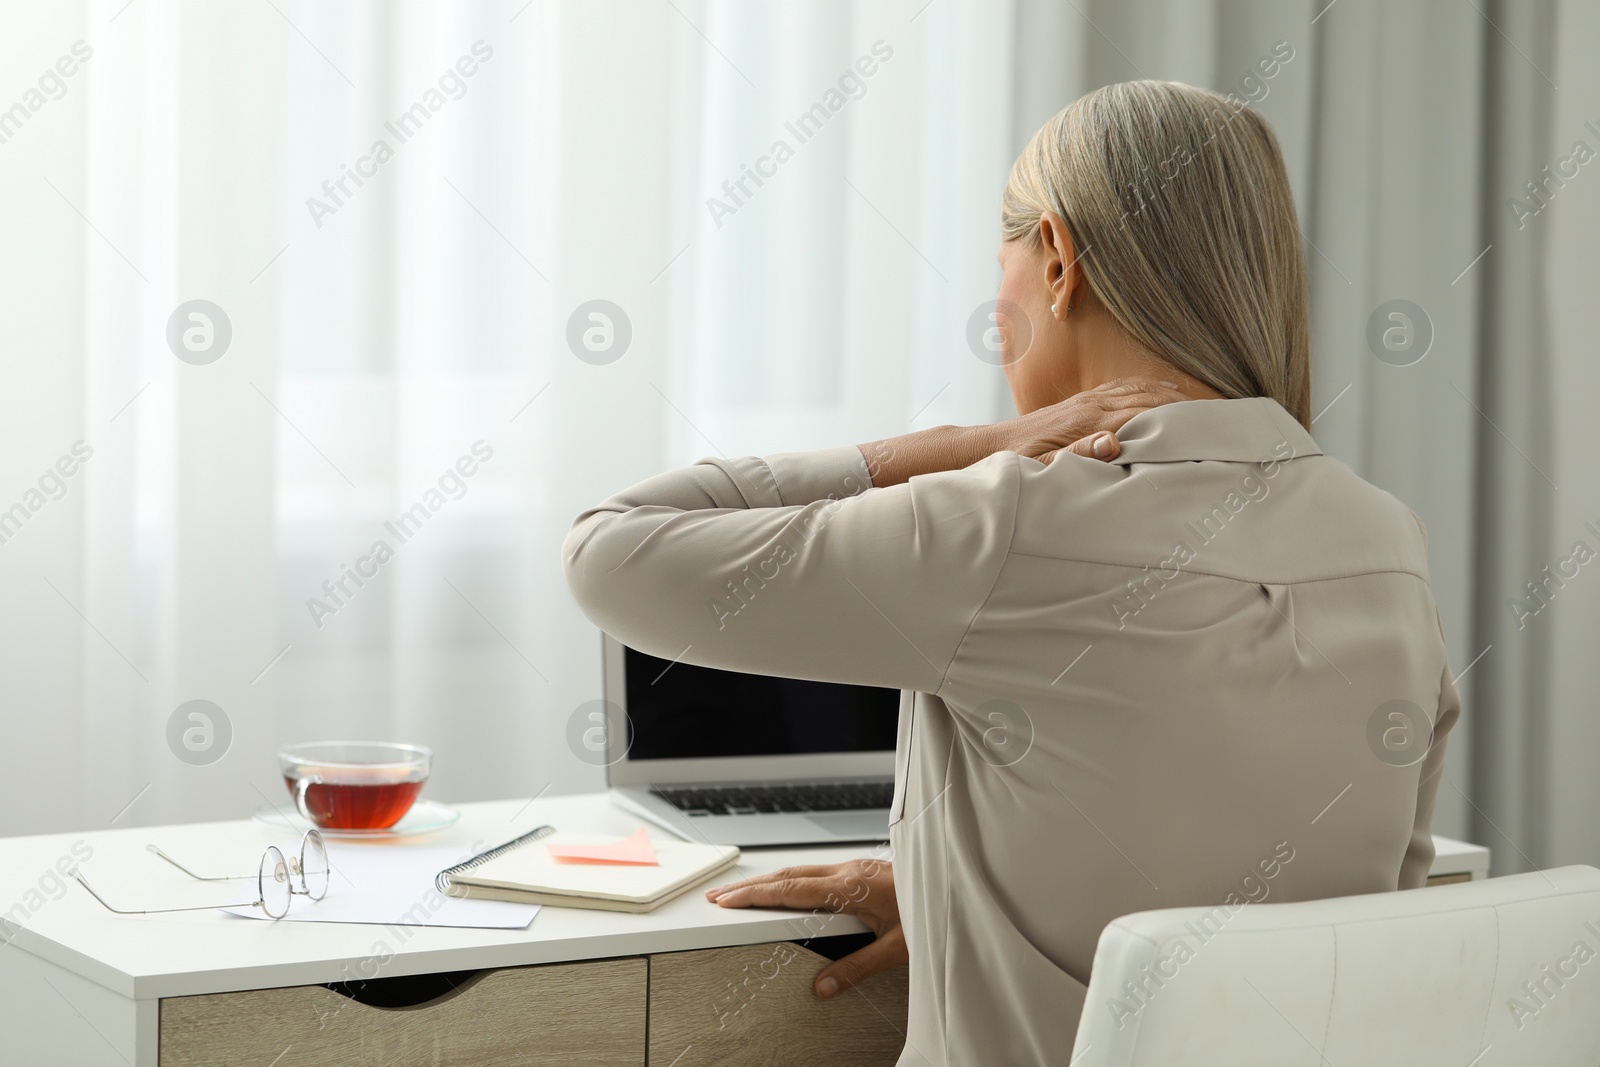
{"x": 1085, "y": 424}
{"x": 1075, "y": 373}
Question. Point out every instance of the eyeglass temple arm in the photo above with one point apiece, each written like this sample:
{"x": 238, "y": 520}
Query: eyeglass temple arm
{"x": 200, "y": 877}
{"x": 78, "y": 877}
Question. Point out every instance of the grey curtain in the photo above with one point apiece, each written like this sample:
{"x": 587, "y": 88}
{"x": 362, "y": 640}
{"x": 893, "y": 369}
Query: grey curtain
{"x": 1410, "y": 131}
{"x": 1537, "y": 504}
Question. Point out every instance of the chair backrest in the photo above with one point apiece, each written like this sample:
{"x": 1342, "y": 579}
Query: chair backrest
{"x": 1477, "y": 974}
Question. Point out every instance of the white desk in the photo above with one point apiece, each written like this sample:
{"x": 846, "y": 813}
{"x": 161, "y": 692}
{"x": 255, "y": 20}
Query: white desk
{"x": 81, "y": 986}
{"x": 71, "y": 957}
{"x": 1453, "y": 859}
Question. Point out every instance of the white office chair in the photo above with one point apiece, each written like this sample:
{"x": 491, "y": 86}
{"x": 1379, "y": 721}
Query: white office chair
{"x": 1479, "y": 974}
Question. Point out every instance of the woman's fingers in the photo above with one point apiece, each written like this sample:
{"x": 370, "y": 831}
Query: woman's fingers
{"x": 815, "y": 870}
{"x": 1125, "y": 386}
{"x": 1138, "y": 397}
{"x": 888, "y": 950}
{"x": 865, "y": 888}
{"x": 782, "y": 893}
{"x": 1135, "y": 394}
{"x": 862, "y": 887}
{"x": 1103, "y": 446}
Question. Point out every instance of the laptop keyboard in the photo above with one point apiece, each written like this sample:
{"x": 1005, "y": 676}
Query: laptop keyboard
{"x": 759, "y": 798}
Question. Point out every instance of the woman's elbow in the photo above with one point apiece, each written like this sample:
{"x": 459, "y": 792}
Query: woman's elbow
{"x": 627, "y": 587}
{"x": 586, "y": 578}
{"x": 613, "y": 595}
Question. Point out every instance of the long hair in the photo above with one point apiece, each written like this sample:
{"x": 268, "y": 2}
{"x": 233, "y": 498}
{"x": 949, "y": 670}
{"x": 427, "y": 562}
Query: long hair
{"x": 1179, "y": 205}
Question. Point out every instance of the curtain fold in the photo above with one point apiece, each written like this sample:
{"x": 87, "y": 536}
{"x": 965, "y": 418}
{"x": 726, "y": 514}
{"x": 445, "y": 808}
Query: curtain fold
{"x": 1570, "y": 792}
{"x": 1533, "y": 783}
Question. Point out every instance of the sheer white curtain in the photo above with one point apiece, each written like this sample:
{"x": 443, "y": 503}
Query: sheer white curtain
{"x": 399, "y": 317}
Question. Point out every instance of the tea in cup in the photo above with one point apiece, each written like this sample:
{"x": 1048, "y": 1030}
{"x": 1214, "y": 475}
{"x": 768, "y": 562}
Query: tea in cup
{"x": 354, "y": 785}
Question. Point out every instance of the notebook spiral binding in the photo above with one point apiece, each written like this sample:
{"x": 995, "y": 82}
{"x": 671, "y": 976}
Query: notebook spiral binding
{"x": 442, "y": 882}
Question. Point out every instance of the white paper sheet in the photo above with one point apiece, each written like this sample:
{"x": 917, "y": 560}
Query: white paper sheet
{"x": 392, "y": 885}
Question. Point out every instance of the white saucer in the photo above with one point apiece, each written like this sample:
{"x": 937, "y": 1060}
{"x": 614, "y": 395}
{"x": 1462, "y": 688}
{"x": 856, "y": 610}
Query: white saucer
{"x": 424, "y": 817}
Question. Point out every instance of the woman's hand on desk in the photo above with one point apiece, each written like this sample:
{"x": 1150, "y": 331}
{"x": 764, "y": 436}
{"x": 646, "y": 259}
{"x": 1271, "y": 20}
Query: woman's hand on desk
{"x": 1085, "y": 424}
{"x": 863, "y": 888}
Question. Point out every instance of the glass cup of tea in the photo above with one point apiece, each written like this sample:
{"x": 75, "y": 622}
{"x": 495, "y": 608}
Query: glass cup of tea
{"x": 354, "y": 785}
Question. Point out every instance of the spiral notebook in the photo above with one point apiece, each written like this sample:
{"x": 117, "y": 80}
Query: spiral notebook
{"x": 524, "y": 873}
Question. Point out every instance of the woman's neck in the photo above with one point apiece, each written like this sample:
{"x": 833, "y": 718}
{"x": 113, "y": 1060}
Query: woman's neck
{"x": 1102, "y": 351}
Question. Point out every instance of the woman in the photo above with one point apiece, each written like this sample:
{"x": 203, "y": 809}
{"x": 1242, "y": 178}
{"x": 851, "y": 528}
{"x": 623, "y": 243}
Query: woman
{"x": 1156, "y": 649}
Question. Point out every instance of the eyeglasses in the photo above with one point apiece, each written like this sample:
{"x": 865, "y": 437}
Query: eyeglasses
{"x": 278, "y": 880}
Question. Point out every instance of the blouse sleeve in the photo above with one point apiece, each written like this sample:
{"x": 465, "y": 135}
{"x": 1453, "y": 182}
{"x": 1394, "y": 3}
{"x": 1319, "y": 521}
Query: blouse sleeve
{"x": 1419, "y": 855}
{"x": 795, "y": 565}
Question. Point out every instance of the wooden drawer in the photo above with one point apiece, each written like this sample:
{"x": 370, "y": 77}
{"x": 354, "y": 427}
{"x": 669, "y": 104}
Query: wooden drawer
{"x": 754, "y": 1004}
{"x": 589, "y": 1013}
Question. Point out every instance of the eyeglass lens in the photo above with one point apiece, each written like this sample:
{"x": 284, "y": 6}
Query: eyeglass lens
{"x": 275, "y": 886}
{"x": 314, "y": 866}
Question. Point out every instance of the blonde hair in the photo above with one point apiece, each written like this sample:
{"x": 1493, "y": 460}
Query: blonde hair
{"x": 1181, "y": 213}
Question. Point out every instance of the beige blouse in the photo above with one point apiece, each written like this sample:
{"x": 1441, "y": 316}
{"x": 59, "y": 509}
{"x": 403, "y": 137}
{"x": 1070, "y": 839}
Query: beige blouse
{"x": 1204, "y": 673}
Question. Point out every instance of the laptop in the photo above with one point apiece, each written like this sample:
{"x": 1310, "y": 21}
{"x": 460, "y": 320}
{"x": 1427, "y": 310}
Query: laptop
{"x": 746, "y": 759}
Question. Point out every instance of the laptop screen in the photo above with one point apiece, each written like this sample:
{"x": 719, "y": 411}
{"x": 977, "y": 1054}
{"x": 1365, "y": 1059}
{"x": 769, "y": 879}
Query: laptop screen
{"x": 679, "y": 711}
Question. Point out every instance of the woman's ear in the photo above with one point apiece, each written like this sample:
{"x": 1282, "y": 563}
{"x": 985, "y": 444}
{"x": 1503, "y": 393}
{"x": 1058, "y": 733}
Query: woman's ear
{"x": 1062, "y": 276}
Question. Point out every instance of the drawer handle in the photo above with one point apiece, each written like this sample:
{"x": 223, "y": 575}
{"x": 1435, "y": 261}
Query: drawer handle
{"x": 407, "y": 990}
{"x": 836, "y": 946}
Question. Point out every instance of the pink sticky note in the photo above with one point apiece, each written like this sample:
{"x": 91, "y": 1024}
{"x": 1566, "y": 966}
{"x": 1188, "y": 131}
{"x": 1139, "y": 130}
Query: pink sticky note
{"x": 635, "y": 849}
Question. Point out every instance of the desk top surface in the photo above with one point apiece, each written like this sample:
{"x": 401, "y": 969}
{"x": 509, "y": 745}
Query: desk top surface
{"x": 188, "y": 953}
{"x": 198, "y": 952}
